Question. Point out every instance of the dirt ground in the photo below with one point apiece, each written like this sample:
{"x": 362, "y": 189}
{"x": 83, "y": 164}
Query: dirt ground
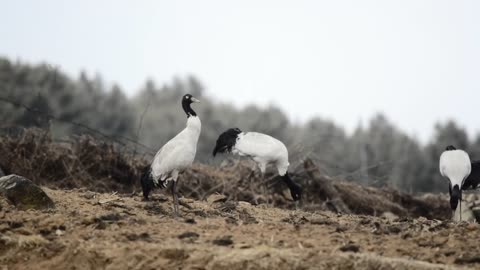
{"x": 90, "y": 230}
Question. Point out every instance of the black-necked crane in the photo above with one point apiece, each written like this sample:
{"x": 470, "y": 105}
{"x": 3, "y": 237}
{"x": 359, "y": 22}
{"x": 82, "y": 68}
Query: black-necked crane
{"x": 175, "y": 156}
{"x": 263, "y": 149}
{"x": 456, "y": 166}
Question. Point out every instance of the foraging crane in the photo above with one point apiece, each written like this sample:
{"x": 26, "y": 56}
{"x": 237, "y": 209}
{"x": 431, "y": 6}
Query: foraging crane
{"x": 263, "y": 149}
{"x": 175, "y": 156}
{"x": 456, "y": 166}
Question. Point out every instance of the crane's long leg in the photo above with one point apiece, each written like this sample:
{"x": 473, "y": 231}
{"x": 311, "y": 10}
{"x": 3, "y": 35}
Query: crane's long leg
{"x": 174, "y": 194}
{"x": 460, "y": 210}
{"x": 175, "y": 198}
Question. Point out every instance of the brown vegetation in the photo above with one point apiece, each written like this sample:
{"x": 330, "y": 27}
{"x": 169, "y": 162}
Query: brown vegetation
{"x": 230, "y": 218}
{"x": 103, "y": 167}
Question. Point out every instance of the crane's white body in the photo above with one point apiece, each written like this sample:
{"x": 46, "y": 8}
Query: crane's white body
{"x": 178, "y": 153}
{"x": 263, "y": 149}
{"x": 456, "y": 166}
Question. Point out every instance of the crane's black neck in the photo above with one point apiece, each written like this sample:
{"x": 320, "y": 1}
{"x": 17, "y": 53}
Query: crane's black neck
{"x": 450, "y": 148}
{"x": 186, "y": 107}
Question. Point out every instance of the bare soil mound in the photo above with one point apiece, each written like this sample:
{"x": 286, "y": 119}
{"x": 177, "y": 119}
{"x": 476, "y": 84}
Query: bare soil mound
{"x": 89, "y": 230}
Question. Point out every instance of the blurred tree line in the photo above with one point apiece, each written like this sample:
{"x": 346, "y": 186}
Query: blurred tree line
{"x": 377, "y": 154}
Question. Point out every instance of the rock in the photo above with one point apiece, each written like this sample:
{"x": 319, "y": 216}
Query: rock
{"x": 467, "y": 259}
{"x": 394, "y": 229}
{"x": 389, "y": 216}
{"x": 246, "y": 217}
{"x": 223, "y": 241}
{"x": 350, "y": 247}
{"x": 190, "y": 221}
{"x": 139, "y": 237}
{"x": 231, "y": 220}
{"x": 244, "y": 204}
{"x": 89, "y": 220}
{"x": 2, "y": 174}
{"x": 189, "y": 235}
{"x": 341, "y": 229}
{"x": 112, "y": 217}
{"x": 321, "y": 221}
{"x": 23, "y": 193}
{"x": 89, "y": 195}
{"x": 216, "y": 198}
{"x": 472, "y": 226}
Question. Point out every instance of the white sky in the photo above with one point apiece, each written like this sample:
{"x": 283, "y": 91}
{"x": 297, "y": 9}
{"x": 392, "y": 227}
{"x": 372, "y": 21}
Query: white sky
{"x": 417, "y": 61}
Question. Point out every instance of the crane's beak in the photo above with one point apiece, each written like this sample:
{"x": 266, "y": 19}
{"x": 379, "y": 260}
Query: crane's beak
{"x": 194, "y": 100}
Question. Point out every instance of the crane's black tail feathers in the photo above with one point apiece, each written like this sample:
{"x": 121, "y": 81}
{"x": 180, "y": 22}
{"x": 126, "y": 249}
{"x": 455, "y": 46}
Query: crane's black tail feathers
{"x": 147, "y": 182}
{"x": 295, "y": 190}
{"x": 455, "y": 197}
{"x": 226, "y": 141}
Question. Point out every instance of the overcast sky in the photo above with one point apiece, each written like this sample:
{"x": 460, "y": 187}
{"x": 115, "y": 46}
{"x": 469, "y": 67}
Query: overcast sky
{"x": 417, "y": 61}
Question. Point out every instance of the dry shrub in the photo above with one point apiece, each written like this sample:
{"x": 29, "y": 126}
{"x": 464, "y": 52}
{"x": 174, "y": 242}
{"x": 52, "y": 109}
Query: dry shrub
{"x": 82, "y": 162}
{"x": 236, "y": 181}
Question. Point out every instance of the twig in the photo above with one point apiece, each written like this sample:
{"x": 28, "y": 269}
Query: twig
{"x": 184, "y": 204}
{"x": 141, "y": 120}
{"x": 108, "y": 200}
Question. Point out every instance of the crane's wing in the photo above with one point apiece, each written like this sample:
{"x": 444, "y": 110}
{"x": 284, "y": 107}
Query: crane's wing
{"x": 442, "y": 164}
{"x": 258, "y": 144}
{"x": 468, "y": 167}
{"x": 173, "y": 154}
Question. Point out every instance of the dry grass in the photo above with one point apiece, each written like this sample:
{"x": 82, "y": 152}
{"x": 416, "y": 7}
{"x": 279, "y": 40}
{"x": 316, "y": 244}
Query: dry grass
{"x": 103, "y": 167}
{"x": 83, "y": 162}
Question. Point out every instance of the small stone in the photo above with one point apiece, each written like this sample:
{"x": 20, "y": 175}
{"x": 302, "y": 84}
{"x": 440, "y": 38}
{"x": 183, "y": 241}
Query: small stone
{"x": 89, "y": 195}
{"x": 214, "y": 198}
{"x": 59, "y": 232}
{"x": 244, "y": 204}
{"x": 341, "y": 229}
{"x": 351, "y": 247}
{"x": 88, "y": 220}
{"x": 185, "y": 235}
{"x": 15, "y": 224}
{"x": 321, "y": 221}
{"x": 101, "y": 225}
{"x": 111, "y": 218}
{"x": 467, "y": 259}
{"x": 231, "y": 220}
{"x": 135, "y": 237}
{"x": 190, "y": 221}
{"x": 389, "y": 216}
{"x": 472, "y": 226}
{"x": 223, "y": 241}
{"x": 394, "y": 229}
